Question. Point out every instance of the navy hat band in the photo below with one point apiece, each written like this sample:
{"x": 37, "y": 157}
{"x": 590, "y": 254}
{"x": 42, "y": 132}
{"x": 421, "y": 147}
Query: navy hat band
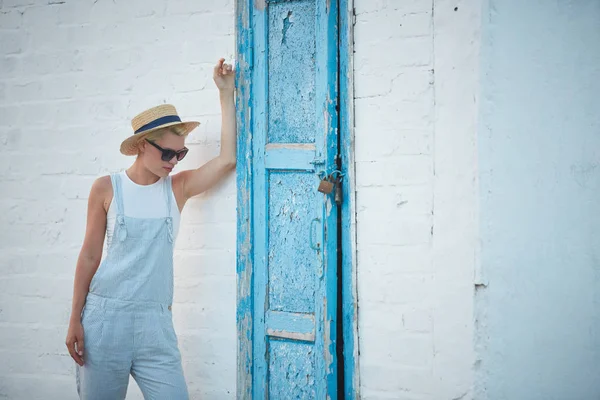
{"x": 158, "y": 122}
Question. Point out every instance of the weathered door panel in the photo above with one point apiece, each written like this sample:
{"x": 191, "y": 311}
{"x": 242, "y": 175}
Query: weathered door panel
{"x": 294, "y": 128}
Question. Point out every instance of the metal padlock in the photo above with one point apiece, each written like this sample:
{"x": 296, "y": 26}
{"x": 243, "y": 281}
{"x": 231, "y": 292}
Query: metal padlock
{"x": 338, "y": 192}
{"x": 325, "y": 186}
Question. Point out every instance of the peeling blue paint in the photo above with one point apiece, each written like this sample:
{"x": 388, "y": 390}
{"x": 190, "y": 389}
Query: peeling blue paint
{"x": 244, "y": 183}
{"x": 291, "y": 69}
{"x": 349, "y": 294}
{"x": 292, "y": 263}
{"x": 292, "y": 367}
{"x": 287, "y": 291}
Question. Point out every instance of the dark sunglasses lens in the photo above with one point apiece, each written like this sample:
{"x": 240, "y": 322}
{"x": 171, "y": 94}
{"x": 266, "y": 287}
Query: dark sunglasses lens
{"x": 167, "y": 155}
{"x": 182, "y": 154}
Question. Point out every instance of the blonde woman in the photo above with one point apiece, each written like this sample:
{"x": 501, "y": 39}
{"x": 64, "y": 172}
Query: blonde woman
{"x": 121, "y": 321}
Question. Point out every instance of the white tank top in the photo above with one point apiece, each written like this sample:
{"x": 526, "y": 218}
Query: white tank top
{"x": 141, "y": 201}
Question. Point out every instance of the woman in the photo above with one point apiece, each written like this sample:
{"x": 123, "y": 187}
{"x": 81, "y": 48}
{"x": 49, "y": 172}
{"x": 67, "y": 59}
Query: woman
{"x": 121, "y": 314}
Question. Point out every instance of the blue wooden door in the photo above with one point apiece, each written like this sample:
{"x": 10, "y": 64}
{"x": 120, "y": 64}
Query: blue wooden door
{"x": 292, "y": 61}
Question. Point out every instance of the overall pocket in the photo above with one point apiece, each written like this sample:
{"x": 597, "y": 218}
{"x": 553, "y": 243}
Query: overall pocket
{"x": 92, "y": 320}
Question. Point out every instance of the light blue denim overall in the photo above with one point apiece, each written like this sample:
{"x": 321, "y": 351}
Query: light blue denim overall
{"x": 127, "y": 320}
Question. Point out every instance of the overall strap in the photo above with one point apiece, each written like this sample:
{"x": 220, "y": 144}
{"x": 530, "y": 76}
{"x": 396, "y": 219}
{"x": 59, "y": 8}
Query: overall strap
{"x": 168, "y": 189}
{"x": 118, "y": 197}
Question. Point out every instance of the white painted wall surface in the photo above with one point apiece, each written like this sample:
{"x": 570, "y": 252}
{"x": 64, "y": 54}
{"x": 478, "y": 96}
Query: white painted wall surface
{"x": 72, "y": 75}
{"x": 538, "y": 332}
{"x": 416, "y": 82}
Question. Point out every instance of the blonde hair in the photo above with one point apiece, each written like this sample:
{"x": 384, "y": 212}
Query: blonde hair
{"x": 178, "y": 130}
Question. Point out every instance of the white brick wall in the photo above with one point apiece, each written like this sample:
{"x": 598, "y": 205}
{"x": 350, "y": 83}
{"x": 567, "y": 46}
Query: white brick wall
{"x": 415, "y": 103}
{"x": 72, "y": 75}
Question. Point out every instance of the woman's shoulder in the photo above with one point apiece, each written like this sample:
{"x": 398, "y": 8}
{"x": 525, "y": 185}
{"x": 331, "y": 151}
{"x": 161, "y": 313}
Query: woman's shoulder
{"x": 102, "y": 184}
{"x": 102, "y": 190}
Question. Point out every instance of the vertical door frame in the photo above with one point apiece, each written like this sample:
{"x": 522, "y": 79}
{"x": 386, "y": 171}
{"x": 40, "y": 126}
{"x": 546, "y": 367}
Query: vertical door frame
{"x": 245, "y": 264}
{"x": 348, "y": 209}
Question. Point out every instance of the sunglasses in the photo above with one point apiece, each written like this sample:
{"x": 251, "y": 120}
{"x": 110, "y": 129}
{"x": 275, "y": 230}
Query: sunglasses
{"x": 168, "y": 154}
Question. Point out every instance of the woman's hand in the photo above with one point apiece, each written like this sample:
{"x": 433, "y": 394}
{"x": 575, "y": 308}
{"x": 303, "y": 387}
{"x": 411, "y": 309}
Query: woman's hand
{"x": 75, "y": 341}
{"x": 224, "y": 76}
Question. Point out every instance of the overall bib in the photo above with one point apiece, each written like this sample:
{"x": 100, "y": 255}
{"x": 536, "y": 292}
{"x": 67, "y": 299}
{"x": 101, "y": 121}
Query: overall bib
{"x": 127, "y": 320}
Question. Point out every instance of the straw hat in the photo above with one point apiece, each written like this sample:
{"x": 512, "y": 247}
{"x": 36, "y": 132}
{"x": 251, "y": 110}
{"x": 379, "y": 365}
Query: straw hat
{"x": 151, "y": 120}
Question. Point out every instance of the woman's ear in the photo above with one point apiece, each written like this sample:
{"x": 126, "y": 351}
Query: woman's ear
{"x": 141, "y": 147}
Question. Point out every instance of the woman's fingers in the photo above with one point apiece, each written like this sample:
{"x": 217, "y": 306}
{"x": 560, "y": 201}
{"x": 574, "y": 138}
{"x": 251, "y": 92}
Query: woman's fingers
{"x": 79, "y": 346}
{"x": 218, "y": 68}
{"x": 71, "y": 347}
{"x": 222, "y": 68}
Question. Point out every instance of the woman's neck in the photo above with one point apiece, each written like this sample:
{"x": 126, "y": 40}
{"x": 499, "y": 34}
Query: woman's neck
{"x": 141, "y": 175}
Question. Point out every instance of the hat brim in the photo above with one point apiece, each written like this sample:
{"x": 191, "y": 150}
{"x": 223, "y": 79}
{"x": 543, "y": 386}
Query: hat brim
{"x": 129, "y": 146}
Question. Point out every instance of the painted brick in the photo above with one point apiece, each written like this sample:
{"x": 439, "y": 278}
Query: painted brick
{"x": 418, "y": 320}
{"x": 411, "y": 350}
{"x": 33, "y": 310}
{"x": 38, "y": 387}
{"x": 404, "y": 7}
{"x": 13, "y": 42}
{"x": 208, "y": 209}
{"x": 383, "y": 54}
{"x": 191, "y": 317}
{"x": 25, "y": 212}
{"x": 25, "y": 92}
{"x": 49, "y": 39}
{"x": 388, "y": 113}
{"x": 208, "y": 130}
{"x": 201, "y": 263}
{"x": 405, "y": 289}
{"x": 395, "y": 378}
{"x": 21, "y": 262}
{"x": 210, "y": 103}
{"x": 40, "y": 16}
{"x": 205, "y": 52}
{"x": 392, "y": 23}
{"x": 55, "y": 364}
{"x": 187, "y": 7}
{"x": 58, "y": 88}
{"x": 401, "y": 171}
{"x": 17, "y": 3}
{"x": 9, "y": 116}
{"x": 205, "y": 347}
{"x": 84, "y": 38}
{"x": 202, "y": 289}
{"x": 35, "y": 338}
{"x": 217, "y": 24}
{"x": 401, "y": 232}
{"x": 394, "y": 319}
{"x": 405, "y": 86}
{"x": 44, "y": 287}
{"x": 75, "y": 13}
{"x": 72, "y": 75}
{"x": 36, "y": 64}
{"x": 9, "y": 66}
{"x": 394, "y": 202}
{"x": 390, "y": 143}
{"x": 392, "y": 261}
{"x": 10, "y": 19}
{"x": 97, "y": 66}
{"x": 374, "y": 394}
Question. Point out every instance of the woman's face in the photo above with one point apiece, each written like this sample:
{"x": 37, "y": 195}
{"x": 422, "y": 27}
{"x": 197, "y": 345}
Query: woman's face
{"x": 151, "y": 156}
